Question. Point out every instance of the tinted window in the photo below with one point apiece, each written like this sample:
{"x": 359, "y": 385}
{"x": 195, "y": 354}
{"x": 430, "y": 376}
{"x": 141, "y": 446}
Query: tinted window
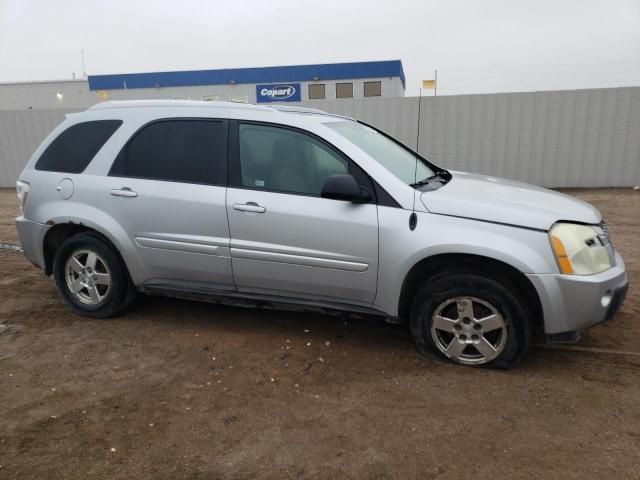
{"x": 73, "y": 149}
{"x": 285, "y": 160}
{"x": 192, "y": 151}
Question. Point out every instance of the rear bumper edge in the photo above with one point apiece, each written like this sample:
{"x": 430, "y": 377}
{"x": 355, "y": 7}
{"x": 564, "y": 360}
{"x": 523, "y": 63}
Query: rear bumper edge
{"x": 31, "y": 235}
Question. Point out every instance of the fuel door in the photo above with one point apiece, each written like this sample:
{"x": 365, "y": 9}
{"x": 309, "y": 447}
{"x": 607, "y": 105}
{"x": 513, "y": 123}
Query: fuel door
{"x": 65, "y": 188}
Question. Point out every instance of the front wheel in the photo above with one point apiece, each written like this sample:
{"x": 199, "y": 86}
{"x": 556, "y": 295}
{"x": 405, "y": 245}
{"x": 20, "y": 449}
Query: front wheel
{"x": 472, "y": 320}
{"x": 90, "y": 277}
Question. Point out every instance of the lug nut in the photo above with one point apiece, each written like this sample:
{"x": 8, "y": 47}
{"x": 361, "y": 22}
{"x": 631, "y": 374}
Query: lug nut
{"x": 466, "y": 320}
{"x": 477, "y": 326}
{"x": 474, "y": 337}
{"x": 463, "y": 337}
{"x": 457, "y": 326}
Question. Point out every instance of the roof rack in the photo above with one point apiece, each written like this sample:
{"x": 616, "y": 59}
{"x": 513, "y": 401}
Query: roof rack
{"x": 291, "y": 108}
{"x": 314, "y": 111}
{"x": 150, "y": 103}
{"x": 174, "y": 103}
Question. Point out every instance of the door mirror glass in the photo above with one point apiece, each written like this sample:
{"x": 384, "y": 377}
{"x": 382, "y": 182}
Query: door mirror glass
{"x": 344, "y": 187}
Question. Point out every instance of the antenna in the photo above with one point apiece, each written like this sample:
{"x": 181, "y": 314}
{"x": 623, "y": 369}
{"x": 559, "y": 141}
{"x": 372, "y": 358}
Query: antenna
{"x": 413, "y": 218}
{"x": 415, "y": 170}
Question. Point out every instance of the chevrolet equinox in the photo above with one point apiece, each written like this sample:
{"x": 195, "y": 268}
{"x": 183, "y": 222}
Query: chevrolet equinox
{"x": 292, "y": 206}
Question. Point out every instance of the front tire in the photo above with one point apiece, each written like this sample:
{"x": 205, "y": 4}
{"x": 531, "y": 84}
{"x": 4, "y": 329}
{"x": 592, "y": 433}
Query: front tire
{"x": 471, "y": 319}
{"x": 90, "y": 277}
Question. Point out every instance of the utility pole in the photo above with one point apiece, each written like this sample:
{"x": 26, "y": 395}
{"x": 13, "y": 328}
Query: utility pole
{"x": 84, "y": 70}
{"x": 435, "y": 84}
{"x": 434, "y": 132}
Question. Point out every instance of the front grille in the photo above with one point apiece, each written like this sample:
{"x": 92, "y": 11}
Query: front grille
{"x": 605, "y": 238}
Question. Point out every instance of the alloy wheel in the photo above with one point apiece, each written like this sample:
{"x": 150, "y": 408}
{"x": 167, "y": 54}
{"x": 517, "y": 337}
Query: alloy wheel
{"x": 469, "y": 330}
{"x": 88, "y": 277}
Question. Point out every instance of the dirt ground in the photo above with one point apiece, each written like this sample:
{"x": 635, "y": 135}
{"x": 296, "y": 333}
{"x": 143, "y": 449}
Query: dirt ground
{"x": 182, "y": 390}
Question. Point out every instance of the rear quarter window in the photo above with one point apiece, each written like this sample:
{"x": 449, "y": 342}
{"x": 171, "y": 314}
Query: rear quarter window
{"x": 73, "y": 149}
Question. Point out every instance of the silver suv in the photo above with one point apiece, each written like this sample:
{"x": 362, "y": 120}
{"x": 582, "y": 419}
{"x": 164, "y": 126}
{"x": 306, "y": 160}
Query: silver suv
{"x": 291, "y": 206}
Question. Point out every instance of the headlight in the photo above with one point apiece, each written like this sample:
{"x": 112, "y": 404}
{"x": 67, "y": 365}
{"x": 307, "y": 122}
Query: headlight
{"x": 579, "y": 249}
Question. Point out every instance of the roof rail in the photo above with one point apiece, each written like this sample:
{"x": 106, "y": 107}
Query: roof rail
{"x": 174, "y": 103}
{"x": 150, "y": 103}
{"x": 315, "y": 111}
{"x": 291, "y": 108}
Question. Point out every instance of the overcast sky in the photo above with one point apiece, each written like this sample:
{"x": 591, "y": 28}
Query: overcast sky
{"x": 476, "y": 45}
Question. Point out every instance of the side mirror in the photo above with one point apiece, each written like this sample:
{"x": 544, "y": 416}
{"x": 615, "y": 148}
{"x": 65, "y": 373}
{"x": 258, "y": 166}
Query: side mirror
{"x": 344, "y": 187}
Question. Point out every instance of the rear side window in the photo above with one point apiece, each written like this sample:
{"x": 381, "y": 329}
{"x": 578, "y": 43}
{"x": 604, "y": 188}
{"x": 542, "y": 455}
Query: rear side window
{"x": 73, "y": 149}
{"x": 182, "y": 150}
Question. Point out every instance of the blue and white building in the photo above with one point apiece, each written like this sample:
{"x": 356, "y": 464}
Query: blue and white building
{"x": 266, "y": 84}
{"x": 293, "y": 83}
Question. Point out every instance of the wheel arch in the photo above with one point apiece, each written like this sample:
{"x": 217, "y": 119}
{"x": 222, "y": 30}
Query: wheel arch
{"x": 469, "y": 262}
{"x": 64, "y": 228}
{"x": 58, "y": 233}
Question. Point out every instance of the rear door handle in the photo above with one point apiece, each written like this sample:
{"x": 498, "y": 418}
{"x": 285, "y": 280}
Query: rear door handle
{"x": 249, "y": 207}
{"x": 124, "y": 192}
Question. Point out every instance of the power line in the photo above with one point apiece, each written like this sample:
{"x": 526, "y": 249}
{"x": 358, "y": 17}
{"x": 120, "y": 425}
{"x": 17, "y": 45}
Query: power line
{"x": 525, "y": 67}
{"x": 516, "y": 85}
{"x": 540, "y": 74}
{"x": 486, "y": 89}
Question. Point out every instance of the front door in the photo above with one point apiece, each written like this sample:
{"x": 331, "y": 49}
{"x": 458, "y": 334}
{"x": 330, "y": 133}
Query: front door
{"x": 287, "y": 240}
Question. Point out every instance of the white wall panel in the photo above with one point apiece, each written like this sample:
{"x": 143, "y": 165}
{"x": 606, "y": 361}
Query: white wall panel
{"x": 581, "y": 138}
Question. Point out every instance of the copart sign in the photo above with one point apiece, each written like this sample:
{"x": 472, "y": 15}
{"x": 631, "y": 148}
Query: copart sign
{"x": 278, "y": 92}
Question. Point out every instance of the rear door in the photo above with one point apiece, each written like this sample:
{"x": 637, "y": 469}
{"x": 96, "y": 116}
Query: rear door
{"x": 285, "y": 238}
{"x": 167, "y": 189}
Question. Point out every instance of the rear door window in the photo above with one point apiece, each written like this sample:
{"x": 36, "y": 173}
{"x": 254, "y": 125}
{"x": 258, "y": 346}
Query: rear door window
{"x": 73, "y": 149}
{"x": 177, "y": 150}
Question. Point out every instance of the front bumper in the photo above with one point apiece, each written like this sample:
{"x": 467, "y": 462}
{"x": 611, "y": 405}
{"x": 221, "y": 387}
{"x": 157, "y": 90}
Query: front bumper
{"x": 31, "y": 236}
{"x": 572, "y": 303}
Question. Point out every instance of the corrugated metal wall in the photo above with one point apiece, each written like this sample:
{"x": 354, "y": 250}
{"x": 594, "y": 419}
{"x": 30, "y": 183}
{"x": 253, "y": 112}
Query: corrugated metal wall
{"x": 581, "y": 138}
{"x": 21, "y": 131}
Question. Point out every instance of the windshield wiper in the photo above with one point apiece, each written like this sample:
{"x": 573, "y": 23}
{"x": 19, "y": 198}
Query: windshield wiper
{"x": 440, "y": 176}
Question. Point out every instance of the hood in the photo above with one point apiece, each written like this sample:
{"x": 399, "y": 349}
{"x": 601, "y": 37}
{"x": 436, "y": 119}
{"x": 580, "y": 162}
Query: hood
{"x": 506, "y": 201}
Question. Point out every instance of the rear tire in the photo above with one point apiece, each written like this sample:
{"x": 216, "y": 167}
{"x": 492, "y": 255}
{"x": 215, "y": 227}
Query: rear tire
{"x": 470, "y": 319}
{"x": 91, "y": 278}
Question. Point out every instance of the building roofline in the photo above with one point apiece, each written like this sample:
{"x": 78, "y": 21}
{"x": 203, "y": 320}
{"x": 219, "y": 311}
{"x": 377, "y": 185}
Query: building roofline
{"x": 232, "y": 76}
{"x": 59, "y": 80}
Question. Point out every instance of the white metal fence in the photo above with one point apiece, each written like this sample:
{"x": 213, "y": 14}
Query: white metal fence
{"x": 580, "y": 138}
{"x": 21, "y": 131}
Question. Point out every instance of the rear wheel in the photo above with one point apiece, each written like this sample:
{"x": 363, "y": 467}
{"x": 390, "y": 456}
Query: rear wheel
{"x": 470, "y": 319}
{"x": 90, "y": 277}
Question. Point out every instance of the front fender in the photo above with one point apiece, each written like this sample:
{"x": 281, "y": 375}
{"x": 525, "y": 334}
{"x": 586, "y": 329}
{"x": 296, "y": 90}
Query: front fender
{"x": 526, "y": 250}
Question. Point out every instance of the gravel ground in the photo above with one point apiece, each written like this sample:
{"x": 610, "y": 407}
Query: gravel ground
{"x": 176, "y": 389}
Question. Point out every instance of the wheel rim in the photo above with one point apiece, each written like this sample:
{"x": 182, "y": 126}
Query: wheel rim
{"x": 469, "y": 330}
{"x": 88, "y": 277}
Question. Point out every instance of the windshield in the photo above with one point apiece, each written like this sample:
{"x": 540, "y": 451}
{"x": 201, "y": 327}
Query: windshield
{"x": 394, "y": 157}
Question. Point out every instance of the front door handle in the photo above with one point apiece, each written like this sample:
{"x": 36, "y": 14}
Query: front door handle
{"x": 249, "y": 207}
{"x": 124, "y": 192}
